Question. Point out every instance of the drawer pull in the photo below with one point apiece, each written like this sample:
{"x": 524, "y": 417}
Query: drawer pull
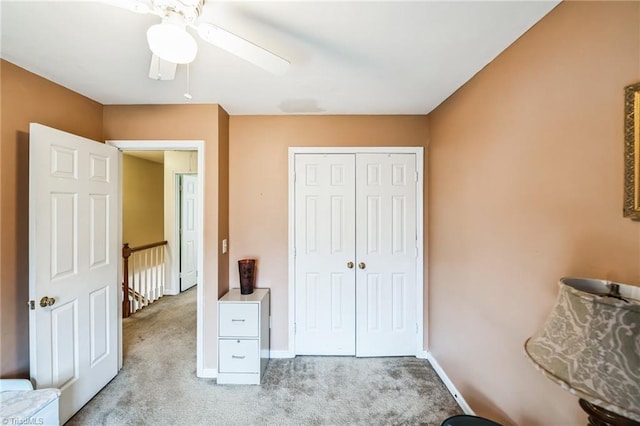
{"x": 238, "y": 356}
{"x": 237, "y": 320}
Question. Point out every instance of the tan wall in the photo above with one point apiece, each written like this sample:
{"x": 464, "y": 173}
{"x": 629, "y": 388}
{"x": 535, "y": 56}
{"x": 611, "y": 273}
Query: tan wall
{"x": 180, "y": 122}
{"x": 27, "y": 98}
{"x": 223, "y": 194}
{"x": 142, "y": 201}
{"x": 258, "y": 184}
{"x": 526, "y": 187}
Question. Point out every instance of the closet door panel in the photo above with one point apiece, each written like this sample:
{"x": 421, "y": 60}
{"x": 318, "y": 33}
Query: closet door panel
{"x": 324, "y": 246}
{"x": 386, "y": 252}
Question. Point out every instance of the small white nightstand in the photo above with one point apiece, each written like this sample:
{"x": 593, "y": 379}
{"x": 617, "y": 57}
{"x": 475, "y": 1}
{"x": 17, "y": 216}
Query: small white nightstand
{"x": 243, "y": 336}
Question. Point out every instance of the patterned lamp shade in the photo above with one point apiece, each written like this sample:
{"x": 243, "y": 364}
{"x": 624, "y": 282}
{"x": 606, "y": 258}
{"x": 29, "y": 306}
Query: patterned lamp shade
{"x": 590, "y": 345}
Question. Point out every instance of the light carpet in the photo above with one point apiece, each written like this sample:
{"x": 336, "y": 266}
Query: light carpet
{"x": 158, "y": 385}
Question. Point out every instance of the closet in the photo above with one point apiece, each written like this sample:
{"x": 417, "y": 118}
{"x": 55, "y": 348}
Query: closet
{"x": 355, "y": 224}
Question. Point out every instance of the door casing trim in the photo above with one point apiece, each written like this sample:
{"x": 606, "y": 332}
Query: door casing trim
{"x": 421, "y": 285}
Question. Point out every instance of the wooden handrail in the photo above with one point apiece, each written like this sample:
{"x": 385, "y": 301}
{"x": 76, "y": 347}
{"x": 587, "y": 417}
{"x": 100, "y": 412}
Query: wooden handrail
{"x": 126, "y": 253}
{"x": 146, "y": 246}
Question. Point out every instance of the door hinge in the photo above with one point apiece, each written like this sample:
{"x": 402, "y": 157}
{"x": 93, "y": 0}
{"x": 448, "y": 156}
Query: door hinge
{"x": 295, "y": 328}
{"x": 31, "y": 304}
{"x": 416, "y": 328}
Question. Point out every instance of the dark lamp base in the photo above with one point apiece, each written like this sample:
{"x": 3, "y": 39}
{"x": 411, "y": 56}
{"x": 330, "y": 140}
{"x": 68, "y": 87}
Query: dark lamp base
{"x": 598, "y": 416}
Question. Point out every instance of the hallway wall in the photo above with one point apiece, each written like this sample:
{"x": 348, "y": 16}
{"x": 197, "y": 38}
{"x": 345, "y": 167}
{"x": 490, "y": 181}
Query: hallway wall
{"x": 142, "y": 201}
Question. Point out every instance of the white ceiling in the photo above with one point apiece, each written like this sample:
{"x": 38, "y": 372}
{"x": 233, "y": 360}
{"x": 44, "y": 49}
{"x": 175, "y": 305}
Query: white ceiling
{"x": 348, "y": 57}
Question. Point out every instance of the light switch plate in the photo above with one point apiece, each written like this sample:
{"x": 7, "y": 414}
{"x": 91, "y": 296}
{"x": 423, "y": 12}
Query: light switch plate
{"x": 224, "y": 246}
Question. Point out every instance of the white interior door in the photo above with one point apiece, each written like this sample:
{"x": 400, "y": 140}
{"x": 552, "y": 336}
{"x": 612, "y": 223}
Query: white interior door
{"x": 188, "y": 231}
{"x": 73, "y": 264}
{"x": 386, "y": 254}
{"x": 325, "y": 246}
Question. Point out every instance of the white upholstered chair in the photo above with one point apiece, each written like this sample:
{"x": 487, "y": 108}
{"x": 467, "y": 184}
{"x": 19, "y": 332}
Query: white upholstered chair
{"x": 21, "y": 404}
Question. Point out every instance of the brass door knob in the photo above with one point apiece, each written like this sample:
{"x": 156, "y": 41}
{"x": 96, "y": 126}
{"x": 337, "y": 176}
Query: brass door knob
{"x": 362, "y": 265}
{"x": 350, "y": 265}
{"x": 47, "y": 301}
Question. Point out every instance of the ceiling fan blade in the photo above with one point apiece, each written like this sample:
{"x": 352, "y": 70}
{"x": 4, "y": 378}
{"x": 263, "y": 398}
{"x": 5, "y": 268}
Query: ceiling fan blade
{"x": 138, "y": 6}
{"x": 243, "y": 48}
{"x": 161, "y": 69}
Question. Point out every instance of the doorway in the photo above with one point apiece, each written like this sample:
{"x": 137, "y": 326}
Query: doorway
{"x": 178, "y": 145}
{"x": 356, "y": 270}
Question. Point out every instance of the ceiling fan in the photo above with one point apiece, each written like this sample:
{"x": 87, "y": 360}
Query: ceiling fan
{"x": 172, "y": 44}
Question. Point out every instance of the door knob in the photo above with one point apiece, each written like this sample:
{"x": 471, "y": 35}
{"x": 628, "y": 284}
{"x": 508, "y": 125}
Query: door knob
{"x": 350, "y": 265}
{"x": 362, "y": 265}
{"x": 47, "y": 301}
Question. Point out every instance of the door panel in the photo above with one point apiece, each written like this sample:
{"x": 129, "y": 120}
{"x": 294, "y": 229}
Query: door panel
{"x": 65, "y": 344}
{"x": 99, "y": 340}
{"x": 64, "y": 225}
{"x": 98, "y": 230}
{"x": 73, "y": 254}
{"x": 386, "y": 247}
{"x": 325, "y": 244}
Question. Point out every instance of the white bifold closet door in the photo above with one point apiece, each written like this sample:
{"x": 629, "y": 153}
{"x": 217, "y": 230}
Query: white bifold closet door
{"x": 355, "y": 254}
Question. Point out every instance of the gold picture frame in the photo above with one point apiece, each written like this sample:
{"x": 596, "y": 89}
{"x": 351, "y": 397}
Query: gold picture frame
{"x": 632, "y": 152}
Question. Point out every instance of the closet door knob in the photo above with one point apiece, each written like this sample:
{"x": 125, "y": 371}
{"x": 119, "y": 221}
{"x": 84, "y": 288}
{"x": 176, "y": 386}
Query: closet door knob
{"x": 350, "y": 265}
{"x": 362, "y": 265}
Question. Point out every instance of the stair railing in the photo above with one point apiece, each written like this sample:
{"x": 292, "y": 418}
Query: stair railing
{"x": 143, "y": 275}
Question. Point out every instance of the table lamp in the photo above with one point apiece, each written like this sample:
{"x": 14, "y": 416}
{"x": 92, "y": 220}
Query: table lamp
{"x": 590, "y": 346}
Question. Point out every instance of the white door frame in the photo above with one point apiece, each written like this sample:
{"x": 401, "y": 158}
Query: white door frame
{"x": 172, "y": 145}
{"x": 419, "y": 152}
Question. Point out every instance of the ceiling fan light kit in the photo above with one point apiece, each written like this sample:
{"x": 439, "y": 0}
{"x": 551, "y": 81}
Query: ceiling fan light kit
{"x": 171, "y": 42}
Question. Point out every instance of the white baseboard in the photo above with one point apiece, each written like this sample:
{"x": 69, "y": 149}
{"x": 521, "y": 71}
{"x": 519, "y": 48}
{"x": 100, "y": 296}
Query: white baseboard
{"x": 208, "y": 373}
{"x": 448, "y": 383}
{"x": 281, "y": 354}
{"x": 171, "y": 292}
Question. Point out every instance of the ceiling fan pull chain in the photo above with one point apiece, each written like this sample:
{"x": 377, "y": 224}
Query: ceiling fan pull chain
{"x": 188, "y": 92}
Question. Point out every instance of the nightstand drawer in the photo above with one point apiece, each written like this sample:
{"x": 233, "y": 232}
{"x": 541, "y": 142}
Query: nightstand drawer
{"x": 239, "y": 356}
{"x": 239, "y": 320}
